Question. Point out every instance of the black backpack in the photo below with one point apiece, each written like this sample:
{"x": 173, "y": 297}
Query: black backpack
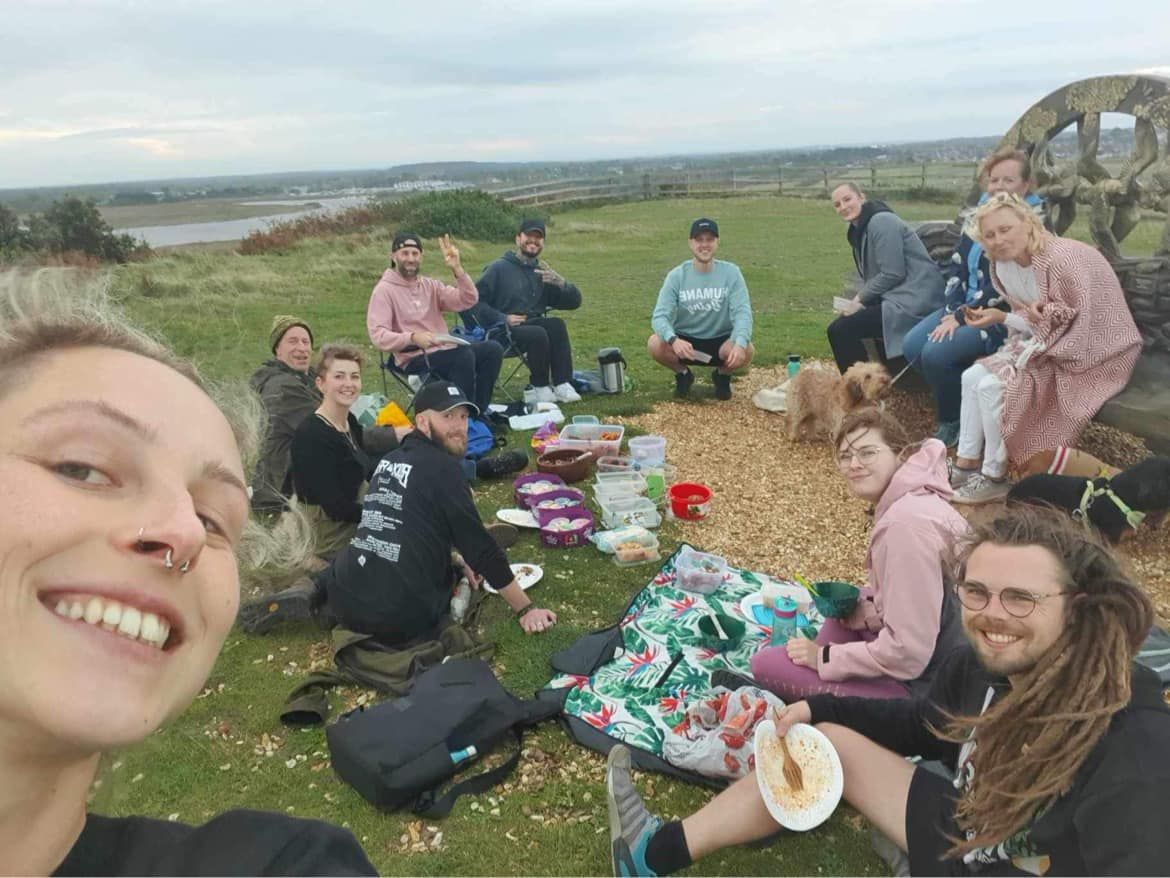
{"x": 398, "y": 753}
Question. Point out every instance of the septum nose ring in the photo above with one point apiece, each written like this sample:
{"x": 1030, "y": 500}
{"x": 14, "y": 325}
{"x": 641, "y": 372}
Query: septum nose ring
{"x": 168, "y": 557}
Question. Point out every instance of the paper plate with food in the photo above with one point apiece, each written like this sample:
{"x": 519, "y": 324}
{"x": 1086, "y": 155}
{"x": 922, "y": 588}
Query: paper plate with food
{"x": 527, "y": 575}
{"x": 517, "y": 518}
{"x": 821, "y": 769}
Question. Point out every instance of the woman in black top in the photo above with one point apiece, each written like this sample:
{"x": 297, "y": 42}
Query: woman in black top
{"x": 329, "y": 465}
{"x": 122, "y": 508}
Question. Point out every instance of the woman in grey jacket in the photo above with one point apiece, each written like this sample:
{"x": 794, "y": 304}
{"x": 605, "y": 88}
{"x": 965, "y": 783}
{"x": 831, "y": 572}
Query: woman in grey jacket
{"x": 900, "y": 282}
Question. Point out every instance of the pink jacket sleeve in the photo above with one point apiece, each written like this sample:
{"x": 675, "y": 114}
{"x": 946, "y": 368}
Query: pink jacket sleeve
{"x": 908, "y": 575}
{"x": 381, "y": 322}
{"x": 459, "y": 297}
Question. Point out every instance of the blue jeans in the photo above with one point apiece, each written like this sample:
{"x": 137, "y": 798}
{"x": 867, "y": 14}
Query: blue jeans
{"x": 942, "y": 362}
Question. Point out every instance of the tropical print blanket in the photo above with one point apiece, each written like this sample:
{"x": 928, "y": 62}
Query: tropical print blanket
{"x": 633, "y": 698}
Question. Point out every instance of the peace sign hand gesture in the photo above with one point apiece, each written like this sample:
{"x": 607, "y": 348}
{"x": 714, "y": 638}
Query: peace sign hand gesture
{"x": 450, "y": 253}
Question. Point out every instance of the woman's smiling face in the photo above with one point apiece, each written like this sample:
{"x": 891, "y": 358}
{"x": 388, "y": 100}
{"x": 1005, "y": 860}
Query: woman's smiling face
{"x": 108, "y": 461}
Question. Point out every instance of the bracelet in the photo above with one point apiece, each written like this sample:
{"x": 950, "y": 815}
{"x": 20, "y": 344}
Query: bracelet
{"x": 523, "y": 611}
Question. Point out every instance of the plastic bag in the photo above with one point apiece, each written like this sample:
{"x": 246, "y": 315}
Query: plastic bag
{"x": 392, "y": 415}
{"x": 716, "y": 737}
{"x": 367, "y": 407}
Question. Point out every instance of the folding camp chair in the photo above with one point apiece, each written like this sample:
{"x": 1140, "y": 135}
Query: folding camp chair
{"x": 502, "y": 334}
{"x": 391, "y": 368}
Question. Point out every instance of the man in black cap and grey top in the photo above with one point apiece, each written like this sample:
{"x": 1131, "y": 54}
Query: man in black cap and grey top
{"x": 515, "y": 294}
{"x": 419, "y": 531}
{"x": 703, "y": 315}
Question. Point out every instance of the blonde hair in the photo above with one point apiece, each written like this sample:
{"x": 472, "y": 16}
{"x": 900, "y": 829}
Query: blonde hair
{"x": 59, "y": 309}
{"x": 1037, "y": 234}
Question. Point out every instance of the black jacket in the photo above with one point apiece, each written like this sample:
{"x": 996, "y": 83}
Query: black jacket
{"x": 510, "y": 285}
{"x": 326, "y": 470}
{"x": 394, "y": 579}
{"x": 1114, "y": 820}
{"x": 855, "y": 233}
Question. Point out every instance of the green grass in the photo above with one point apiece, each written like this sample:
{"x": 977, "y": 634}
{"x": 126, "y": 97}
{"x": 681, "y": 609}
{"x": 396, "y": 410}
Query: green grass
{"x": 217, "y": 307}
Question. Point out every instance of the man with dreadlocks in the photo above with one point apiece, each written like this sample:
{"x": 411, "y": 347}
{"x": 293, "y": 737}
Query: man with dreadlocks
{"x": 1057, "y": 742}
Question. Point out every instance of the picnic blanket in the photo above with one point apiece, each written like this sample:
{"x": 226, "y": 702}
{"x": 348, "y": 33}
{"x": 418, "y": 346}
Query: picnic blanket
{"x": 614, "y": 682}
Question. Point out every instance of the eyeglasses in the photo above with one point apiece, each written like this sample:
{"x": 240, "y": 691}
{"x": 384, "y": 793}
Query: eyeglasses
{"x": 865, "y": 456}
{"x": 1016, "y": 602}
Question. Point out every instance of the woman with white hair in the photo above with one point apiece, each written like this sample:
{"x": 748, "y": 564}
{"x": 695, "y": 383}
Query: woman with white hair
{"x": 1072, "y": 345}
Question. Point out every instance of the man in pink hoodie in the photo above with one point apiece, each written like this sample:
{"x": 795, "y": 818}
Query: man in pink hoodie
{"x": 905, "y": 623}
{"x": 406, "y": 314}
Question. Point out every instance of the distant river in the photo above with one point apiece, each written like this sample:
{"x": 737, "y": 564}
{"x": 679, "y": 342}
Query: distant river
{"x": 233, "y": 230}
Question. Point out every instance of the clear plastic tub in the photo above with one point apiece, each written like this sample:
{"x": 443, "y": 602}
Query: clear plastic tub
{"x": 605, "y": 540}
{"x": 619, "y": 484}
{"x": 600, "y": 440}
{"x": 699, "y": 571}
{"x": 621, "y": 511}
{"x": 616, "y": 465}
{"x": 648, "y": 450}
{"x": 636, "y": 550}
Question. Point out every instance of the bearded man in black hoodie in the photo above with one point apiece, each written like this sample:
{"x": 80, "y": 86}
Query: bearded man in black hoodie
{"x": 900, "y": 284}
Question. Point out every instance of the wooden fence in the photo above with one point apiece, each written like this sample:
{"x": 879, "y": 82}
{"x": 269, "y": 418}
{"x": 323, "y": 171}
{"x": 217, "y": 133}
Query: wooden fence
{"x": 795, "y": 181}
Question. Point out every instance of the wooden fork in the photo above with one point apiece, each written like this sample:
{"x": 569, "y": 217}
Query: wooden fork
{"x": 793, "y": 776}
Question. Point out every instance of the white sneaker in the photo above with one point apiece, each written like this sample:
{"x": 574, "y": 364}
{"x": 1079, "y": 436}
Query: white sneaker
{"x": 539, "y": 394}
{"x": 414, "y": 381}
{"x": 566, "y": 393}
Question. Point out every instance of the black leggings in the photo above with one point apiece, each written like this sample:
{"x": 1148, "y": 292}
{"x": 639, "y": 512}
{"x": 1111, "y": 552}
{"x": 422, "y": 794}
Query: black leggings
{"x": 473, "y": 369}
{"x": 545, "y": 343}
{"x": 847, "y": 331}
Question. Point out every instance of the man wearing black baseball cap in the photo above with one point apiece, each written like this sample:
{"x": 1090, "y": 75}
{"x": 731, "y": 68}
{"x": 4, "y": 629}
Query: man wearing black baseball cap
{"x": 703, "y": 315}
{"x": 405, "y": 317}
{"x": 515, "y": 294}
{"x": 419, "y": 531}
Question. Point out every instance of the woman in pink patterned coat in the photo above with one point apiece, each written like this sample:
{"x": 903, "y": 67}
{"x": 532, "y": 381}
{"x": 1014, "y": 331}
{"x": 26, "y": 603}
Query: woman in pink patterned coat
{"x": 1072, "y": 345}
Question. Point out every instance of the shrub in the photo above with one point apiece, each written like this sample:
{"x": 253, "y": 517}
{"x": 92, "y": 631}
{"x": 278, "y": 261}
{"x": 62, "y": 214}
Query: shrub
{"x": 464, "y": 213}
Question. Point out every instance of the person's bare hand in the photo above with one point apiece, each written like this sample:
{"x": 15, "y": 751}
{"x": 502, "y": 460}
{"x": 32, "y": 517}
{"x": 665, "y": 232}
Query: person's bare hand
{"x": 1035, "y": 312}
{"x": 802, "y": 651}
{"x": 784, "y": 718}
{"x": 473, "y": 578}
{"x": 735, "y": 358}
{"x": 853, "y": 307}
{"x": 516, "y": 319}
{"x": 450, "y": 253}
{"x": 945, "y": 329}
{"x": 981, "y": 318}
{"x": 423, "y": 339}
{"x": 537, "y": 621}
{"x": 682, "y": 349}
{"x": 550, "y": 276}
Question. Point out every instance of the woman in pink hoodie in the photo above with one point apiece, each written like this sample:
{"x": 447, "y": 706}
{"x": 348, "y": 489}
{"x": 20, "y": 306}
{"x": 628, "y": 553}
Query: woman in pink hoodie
{"x": 904, "y": 623}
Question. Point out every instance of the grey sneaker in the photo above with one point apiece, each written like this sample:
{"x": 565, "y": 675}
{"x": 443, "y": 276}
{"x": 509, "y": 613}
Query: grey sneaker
{"x": 892, "y": 855}
{"x": 631, "y": 825}
{"x": 958, "y": 475}
{"x": 980, "y": 489}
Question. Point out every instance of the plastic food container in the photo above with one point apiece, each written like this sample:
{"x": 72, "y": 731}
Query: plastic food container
{"x": 627, "y": 484}
{"x": 525, "y": 487}
{"x": 600, "y": 440}
{"x": 616, "y": 465}
{"x": 586, "y": 419}
{"x": 648, "y": 450}
{"x": 565, "y": 528}
{"x": 658, "y": 480}
{"x": 621, "y": 511}
{"x": 699, "y": 571}
{"x": 605, "y": 540}
{"x": 690, "y": 501}
{"x": 637, "y": 549}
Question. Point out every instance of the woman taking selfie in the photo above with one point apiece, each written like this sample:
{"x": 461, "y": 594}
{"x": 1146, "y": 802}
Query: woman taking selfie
{"x": 119, "y": 529}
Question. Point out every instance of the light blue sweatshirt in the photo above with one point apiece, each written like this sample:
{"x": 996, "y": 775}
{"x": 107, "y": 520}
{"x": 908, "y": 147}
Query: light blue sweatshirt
{"x": 704, "y": 304}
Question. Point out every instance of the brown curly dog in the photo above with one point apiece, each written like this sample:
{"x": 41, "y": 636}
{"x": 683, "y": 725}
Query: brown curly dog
{"x": 819, "y": 398}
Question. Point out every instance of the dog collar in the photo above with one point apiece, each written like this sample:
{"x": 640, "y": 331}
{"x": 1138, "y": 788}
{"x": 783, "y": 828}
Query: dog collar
{"x": 1132, "y": 517}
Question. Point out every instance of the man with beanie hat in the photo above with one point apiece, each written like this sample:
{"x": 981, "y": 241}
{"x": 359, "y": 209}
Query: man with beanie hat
{"x": 289, "y": 396}
{"x": 405, "y": 317}
{"x": 515, "y": 293}
{"x": 703, "y": 315}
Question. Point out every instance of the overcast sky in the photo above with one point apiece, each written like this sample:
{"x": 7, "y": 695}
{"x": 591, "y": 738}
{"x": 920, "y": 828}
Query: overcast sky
{"x": 97, "y": 90}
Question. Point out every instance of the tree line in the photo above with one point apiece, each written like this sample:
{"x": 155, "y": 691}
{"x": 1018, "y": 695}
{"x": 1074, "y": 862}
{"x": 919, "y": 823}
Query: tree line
{"x": 67, "y": 227}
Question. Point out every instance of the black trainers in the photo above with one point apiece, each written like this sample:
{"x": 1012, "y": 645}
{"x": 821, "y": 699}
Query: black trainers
{"x": 502, "y": 464}
{"x": 301, "y": 601}
{"x": 722, "y": 385}
{"x": 683, "y": 382}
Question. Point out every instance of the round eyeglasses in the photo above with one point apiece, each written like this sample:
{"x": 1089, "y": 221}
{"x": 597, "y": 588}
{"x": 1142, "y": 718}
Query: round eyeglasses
{"x": 1018, "y": 602}
{"x": 865, "y": 456}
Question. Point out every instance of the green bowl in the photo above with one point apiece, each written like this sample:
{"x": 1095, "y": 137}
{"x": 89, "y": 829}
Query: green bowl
{"x": 734, "y": 628}
{"x": 835, "y": 600}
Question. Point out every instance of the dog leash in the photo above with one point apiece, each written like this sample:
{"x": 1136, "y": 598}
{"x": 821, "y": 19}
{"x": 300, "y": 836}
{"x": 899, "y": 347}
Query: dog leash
{"x": 905, "y": 369}
{"x": 1133, "y": 517}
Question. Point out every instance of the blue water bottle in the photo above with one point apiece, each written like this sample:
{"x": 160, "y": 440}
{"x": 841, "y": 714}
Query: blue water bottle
{"x": 793, "y": 365}
{"x": 783, "y": 621}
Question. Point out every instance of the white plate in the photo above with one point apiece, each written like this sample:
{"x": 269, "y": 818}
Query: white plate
{"x": 447, "y": 338}
{"x": 820, "y": 810}
{"x": 784, "y": 590}
{"x": 517, "y": 517}
{"x": 527, "y": 575}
